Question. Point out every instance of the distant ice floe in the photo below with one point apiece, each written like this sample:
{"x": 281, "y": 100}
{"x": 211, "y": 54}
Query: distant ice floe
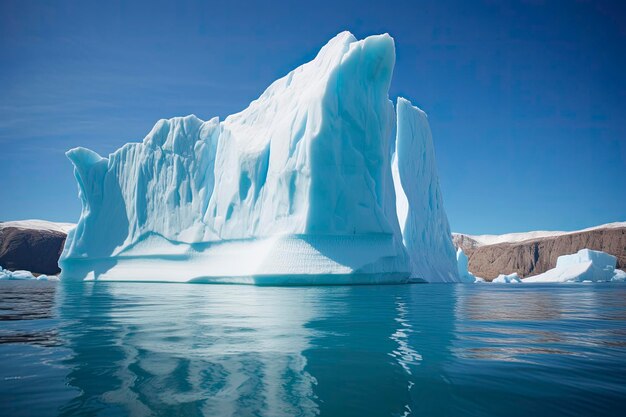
{"x": 507, "y": 279}
{"x": 464, "y": 274}
{"x": 619, "y": 276}
{"x": 585, "y": 265}
{"x": 20, "y": 274}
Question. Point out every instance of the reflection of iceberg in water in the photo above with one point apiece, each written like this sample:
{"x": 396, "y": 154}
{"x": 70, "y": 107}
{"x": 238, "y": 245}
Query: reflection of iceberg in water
{"x": 387, "y": 344}
{"x": 539, "y": 344}
{"x": 431, "y": 313}
{"x": 488, "y": 321}
{"x": 404, "y": 354}
{"x": 238, "y": 351}
{"x": 235, "y": 352}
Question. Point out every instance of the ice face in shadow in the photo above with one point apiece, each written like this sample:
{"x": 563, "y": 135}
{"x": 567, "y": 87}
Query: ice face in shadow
{"x": 295, "y": 189}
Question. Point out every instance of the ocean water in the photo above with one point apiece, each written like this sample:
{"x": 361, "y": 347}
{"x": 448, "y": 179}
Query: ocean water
{"x": 118, "y": 349}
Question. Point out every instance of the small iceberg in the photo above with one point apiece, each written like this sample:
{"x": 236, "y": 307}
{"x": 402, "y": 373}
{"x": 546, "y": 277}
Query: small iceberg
{"x": 513, "y": 278}
{"x": 464, "y": 274}
{"x": 586, "y": 265}
{"x": 21, "y": 275}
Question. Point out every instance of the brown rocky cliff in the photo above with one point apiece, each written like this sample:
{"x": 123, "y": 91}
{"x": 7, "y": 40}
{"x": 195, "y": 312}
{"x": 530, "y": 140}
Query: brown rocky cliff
{"x": 34, "y": 250}
{"x": 531, "y": 257}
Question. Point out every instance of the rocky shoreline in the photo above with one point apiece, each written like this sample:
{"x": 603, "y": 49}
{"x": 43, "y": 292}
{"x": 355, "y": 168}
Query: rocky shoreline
{"x": 537, "y": 254}
{"x": 32, "y": 245}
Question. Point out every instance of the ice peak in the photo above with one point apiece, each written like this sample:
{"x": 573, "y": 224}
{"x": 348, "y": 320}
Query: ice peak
{"x": 338, "y": 44}
{"x": 83, "y": 156}
{"x": 406, "y": 103}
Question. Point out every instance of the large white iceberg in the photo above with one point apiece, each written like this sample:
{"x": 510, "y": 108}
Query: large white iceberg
{"x": 296, "y": 189}
{"x": 585, "y": 265}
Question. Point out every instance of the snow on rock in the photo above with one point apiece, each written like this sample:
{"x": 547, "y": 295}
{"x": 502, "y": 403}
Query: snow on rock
{"x": 423, "y": 221}
{"x": 507, "y": 279}
{"x": 38, "y": 225}
{"x": 585, "y": 265}
{"x": 295, "y": 189}
{"x": 485, "y": 240}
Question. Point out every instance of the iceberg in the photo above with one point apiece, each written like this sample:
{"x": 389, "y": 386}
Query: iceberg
{"x": 585, "y": 265}
{"x": 296, "y": 189}
{"x": 463, "y": 272}
{"x": 619, "y": 276}
{"x": 21, "y": 275}
{"x": 18, "y": 274}
{"x": 507, "y": 279}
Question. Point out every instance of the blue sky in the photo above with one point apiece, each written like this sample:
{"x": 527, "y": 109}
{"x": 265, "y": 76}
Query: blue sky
{"x": 526, "y": 99}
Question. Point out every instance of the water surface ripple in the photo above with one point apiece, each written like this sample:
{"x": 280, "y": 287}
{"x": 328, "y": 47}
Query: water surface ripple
{"x": 117, "y": 349}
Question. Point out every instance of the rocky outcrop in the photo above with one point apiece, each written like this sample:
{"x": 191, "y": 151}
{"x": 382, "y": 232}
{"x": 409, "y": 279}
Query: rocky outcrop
{"x": 537, "y": 255}
{"x": 31, "y": 247}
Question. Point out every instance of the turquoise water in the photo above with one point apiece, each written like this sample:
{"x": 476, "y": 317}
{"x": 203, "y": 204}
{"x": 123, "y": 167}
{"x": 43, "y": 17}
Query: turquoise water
{"x": 117, "y": 349}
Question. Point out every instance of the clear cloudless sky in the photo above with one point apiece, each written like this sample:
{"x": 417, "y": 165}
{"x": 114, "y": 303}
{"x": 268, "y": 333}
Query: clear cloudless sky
{"x": 526, "y": 99}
